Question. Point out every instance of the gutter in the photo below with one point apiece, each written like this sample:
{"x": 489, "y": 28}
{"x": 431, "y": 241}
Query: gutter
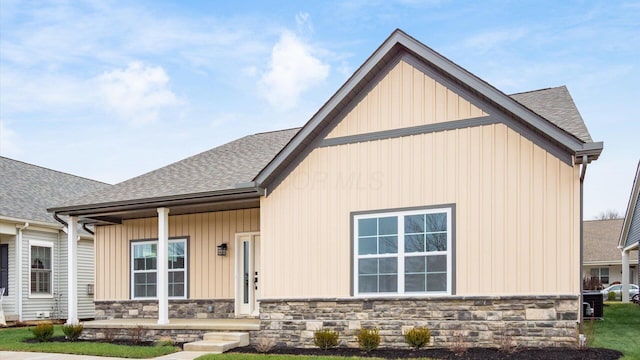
{"x": 583, "y": 172}
{"x": 20, "y": 269}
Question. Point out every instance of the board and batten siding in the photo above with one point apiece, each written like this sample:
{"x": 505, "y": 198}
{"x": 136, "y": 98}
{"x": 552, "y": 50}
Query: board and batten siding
{"x": 516, "y": 215}
{"x": 210, "y": 276}
{"x": 516, "y": 205}
{"x": 404, "y": 97}
{"x": 9, "y": 301}
{"x": 56, "y": 304}
{"x": 86, "y": 307}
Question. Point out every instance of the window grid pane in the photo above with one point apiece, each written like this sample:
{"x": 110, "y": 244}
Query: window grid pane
{"x": 40, "y": 282}
{"x": 423, "y": 239}
{"x": 145, "y": 269}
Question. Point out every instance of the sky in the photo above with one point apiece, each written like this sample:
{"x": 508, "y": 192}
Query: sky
{"x": 109, "y": 90}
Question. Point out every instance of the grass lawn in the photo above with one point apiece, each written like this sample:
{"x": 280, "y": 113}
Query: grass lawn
{"x": 272, "y": 357}
{"x": 620, "y": 329}
{"x": 11, "y": 340}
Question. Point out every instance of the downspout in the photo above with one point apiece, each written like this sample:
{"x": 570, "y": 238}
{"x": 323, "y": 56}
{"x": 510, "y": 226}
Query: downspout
{"x": 583, "y": 172}
{"x": 19, "y": 256}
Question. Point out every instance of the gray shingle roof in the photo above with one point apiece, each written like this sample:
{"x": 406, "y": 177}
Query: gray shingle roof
{"x": 220, "y": 168}
{"x": 26, "y": 190}
{"x": 601, "y": 240}
{"x": 557, "y": 106}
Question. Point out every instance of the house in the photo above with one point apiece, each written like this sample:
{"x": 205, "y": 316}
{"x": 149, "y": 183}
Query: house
{"x": 418, "y": 194}
{"x": 630, "y": 235}
{"x": 33, "y": 244}
{"x": 601, "y": 254}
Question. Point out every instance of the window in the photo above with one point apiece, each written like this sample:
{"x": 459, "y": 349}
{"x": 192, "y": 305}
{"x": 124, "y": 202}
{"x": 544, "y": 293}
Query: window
{"x": 41, "y": 268}
{"x": 144, "y": 256}
{"x": 403, "y": 252}
{"x": 602, "y": 274}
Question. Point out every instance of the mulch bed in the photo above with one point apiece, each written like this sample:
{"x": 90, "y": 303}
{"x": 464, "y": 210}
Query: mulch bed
{"x": 471, "y": 353}
{"x": 115, "y": 341}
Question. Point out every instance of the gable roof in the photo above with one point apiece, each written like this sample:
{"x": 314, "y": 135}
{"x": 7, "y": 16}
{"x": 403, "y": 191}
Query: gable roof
{"x": 400, "y": 43}
{"x": 248, "y": 165}
{"x": 26, "y": 190}
{"x": 601, "y": 240}
{"x": 630, "y": 235}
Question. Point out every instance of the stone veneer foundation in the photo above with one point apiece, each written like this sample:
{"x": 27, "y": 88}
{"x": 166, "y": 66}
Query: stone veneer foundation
{"x": 144, "y": 334}
{"x": 148, "y": 309}
{"x": 531, "y": 321}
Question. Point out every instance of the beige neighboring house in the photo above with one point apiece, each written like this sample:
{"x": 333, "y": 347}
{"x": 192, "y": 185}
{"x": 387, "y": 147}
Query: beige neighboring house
{"x": 418, "y": 194}
{"x": 601, "y": 254}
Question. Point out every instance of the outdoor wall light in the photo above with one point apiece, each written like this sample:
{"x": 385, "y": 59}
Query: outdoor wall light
{"x": 222, "y": 249}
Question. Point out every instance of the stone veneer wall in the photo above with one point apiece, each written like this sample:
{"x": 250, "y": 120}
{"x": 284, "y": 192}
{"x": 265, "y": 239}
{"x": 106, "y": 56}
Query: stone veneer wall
{"x": 144, "y": 334}
{"x": 148, "y": 309}
{"x": 531, "y": 321}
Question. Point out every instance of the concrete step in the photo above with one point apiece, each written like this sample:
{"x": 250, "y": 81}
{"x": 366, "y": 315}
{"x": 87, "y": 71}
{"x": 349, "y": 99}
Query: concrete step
{"x": 218, "y": 342}
{"x": 241, "y": 337}
{"x": 211, "y": 346}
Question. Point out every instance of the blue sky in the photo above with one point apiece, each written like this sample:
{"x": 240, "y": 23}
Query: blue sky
{"x": 110, "y": 90}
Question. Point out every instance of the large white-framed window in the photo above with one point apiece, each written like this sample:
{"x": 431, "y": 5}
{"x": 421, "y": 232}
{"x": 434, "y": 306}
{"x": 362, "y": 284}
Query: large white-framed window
{"x": 144, "y": 269}
{"x": 404, "y": 252}
{"x": 40, "y": 269}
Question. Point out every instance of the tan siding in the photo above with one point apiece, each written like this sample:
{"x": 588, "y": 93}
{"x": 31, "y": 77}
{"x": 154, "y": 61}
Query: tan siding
{"x": 405, "y": 97}
{"x": 516, "y": 224}
{"x": 210, "y": 276}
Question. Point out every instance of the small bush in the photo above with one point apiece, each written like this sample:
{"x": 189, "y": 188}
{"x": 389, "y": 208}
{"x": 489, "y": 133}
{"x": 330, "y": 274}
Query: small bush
{"x": 137, "y": 334}
{"x": 72, "y": 332}
{"x": 109, "y": 334}
{"x": 42, "y": 332}
{"x": 368, "y": 339}
{"x": 459, "y": 343}
{"x": 418, "y": 337}
{"x": 264, "y": 344}
{"x": 325, "y": 339}
{"x": 611, "y": 296}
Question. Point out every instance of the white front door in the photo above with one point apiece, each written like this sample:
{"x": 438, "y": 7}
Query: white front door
{"x": 247, "y": 273}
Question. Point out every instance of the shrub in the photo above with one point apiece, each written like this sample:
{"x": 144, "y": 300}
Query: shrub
{"x": 368, "y": 339}
{"x": 459, "y": 343}
{"x": 43, "y": 332}
{"x": 264, "y": 344}
{"x": 611, "y": 296}
{"x": 137, "y": 334}
{"x": 72, "y": 331}
{"x": 325, "y": 339}
{"x": 418, "y": 337}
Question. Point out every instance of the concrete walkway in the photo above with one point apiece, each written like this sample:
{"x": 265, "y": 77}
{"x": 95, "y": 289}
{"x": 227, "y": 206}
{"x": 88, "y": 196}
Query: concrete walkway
{"x": 13, "y": 355}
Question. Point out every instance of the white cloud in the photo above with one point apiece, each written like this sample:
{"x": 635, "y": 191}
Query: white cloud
{"x": 137, "y": 93}
{"x": 293, "y": 69}
{"x": 8, "y": 144}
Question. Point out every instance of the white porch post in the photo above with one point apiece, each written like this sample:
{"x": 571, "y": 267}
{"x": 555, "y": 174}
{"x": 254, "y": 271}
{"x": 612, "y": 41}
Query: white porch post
{"x": 163, "y": 267}
{"x": 72, "y": 271}
{"x": 625, "y": 275}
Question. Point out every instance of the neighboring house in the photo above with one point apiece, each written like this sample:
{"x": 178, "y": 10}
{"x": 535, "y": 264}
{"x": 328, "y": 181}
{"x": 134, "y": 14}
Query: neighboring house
{"x": 33, "y": 245}
{"x": 601, "y": 253}
{"x": 418, "y": 194}
{"x": 630, "y": 235}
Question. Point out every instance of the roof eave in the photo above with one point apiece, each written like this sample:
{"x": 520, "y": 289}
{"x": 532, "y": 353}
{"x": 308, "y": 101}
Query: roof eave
{"x": 156, "y": 202}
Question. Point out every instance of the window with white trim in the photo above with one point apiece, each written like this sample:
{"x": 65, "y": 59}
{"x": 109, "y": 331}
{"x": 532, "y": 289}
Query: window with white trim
{"x": 144, "y": 269}
{"x": 602, "y": 274}
{"x": 403, "y": 252}
{"x": 41, "y": 268}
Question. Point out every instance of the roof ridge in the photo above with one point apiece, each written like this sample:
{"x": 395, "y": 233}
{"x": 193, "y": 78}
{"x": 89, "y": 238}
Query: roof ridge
{"x": 543, "y": 89}
{"x": 54, "y": 170}
{"x": 273, "y": 131}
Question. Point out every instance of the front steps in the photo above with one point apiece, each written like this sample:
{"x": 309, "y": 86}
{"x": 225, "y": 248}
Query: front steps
{"x": 218, "y": 342}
